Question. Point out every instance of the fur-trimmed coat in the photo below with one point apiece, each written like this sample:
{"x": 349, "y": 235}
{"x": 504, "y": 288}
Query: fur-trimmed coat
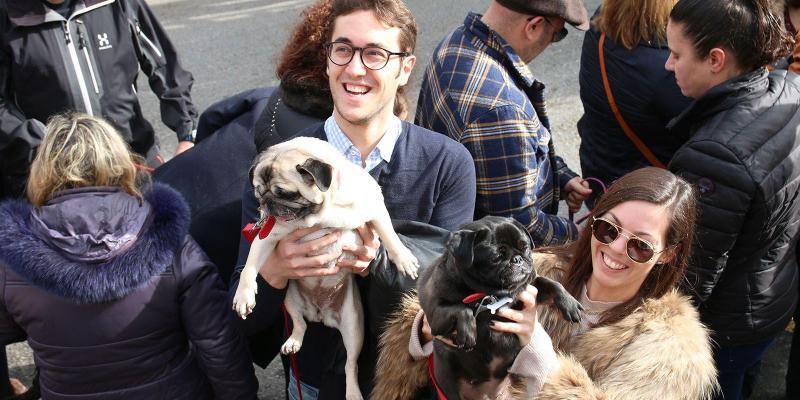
{"x": 661, "y": 351}
{"x": 117, "y": 301}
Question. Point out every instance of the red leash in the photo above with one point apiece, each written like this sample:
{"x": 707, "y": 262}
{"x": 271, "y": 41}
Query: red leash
{"x": 439, "y": 393}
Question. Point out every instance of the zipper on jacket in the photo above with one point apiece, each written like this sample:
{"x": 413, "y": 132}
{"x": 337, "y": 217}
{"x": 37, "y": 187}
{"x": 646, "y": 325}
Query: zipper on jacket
{"x": 73, "y": 54}
{"x": 83, "y": 46}
{"x": 147, "y": 40}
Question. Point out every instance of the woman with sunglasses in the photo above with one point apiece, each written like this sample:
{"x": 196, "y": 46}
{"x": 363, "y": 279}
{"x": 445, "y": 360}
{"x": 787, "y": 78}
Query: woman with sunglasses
{"x": 638, "y": 338}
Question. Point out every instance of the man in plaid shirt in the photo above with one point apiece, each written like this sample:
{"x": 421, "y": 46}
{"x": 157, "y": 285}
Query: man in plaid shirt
{"x": 479, "y": 91}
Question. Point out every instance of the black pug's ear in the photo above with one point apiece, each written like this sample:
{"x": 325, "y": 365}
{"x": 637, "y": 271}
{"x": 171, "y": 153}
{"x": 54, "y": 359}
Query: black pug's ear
{"x": 462, "y": 244}
{"x": 316, "y": 172}
{"x": 525, "y": 231}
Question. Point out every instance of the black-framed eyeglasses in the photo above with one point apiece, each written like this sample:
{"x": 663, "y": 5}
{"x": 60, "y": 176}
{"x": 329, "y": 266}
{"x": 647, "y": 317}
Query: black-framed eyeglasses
{"x": 638, "y": 250}
{"x": 373, "y": 57}
{"x": 559, "y": 35}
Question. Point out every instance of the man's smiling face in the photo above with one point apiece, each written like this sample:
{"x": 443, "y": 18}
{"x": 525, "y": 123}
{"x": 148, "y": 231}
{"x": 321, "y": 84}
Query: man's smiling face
{"x": 362, "y": 95}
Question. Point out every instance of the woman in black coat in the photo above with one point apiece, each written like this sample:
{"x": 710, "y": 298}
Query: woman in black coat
{"x": 646, "y": 94}
{"x": 115, "y": 298}
{"x": 744, "y": 156}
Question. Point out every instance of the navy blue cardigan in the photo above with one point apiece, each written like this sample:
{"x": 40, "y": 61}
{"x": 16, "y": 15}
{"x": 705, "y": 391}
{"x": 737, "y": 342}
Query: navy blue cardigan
{"x": 430, "y": 179}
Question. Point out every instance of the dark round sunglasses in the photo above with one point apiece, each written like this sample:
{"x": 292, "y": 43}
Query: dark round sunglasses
{"x": 637, "y": 249}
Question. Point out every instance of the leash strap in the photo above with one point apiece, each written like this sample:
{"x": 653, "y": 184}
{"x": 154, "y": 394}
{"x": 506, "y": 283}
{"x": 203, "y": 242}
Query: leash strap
{"x": 432, "y": 374}
{"x": 292, "y": 356}
{"x": 618, "y": 115}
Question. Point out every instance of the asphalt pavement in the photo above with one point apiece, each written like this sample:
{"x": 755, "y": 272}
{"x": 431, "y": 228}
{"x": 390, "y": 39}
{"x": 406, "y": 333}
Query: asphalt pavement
{"x": 231, "y": 46}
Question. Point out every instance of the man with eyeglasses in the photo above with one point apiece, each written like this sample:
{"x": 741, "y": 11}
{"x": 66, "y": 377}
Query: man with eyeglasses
{"x": 478, "y": 90}
{"x": 422, "y": 174}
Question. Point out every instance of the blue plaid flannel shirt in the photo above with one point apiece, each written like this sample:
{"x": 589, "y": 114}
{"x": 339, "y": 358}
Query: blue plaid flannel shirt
{"x": 479, "y": 92}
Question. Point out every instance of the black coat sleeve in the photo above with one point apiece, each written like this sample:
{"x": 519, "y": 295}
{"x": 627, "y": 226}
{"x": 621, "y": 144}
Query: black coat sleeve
{"x": 725, "y": 193}
{"x": 208, "y": 320}
{"x": 19, "y": 136}
{"x": 158, "y": 59}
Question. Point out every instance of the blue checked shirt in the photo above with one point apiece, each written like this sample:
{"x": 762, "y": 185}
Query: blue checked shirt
{"x": 479, "y": 92}
{"x": 382, "y": 151}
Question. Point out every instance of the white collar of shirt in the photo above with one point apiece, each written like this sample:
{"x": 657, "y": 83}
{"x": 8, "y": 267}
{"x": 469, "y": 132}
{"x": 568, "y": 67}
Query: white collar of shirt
{"x": 383, "y": 150}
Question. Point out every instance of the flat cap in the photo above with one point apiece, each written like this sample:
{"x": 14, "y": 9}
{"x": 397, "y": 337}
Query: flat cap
{"x": 571, "y": 11}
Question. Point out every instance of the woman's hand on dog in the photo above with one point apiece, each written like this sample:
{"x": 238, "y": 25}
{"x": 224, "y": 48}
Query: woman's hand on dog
{"x": 362, "y": 254}
{"x": 523, "y": 325}
{"x": 524, "y": 320}
{"x": 291, "y": 259}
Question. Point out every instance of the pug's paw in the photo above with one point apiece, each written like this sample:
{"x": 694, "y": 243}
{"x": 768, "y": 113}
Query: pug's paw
{"x": 406, "y": 263}
{"x": 466, "y": 331}
{"x": 291, "y": 346}
{"x": 244, "y": 300}
{"x": 570, "y": 308}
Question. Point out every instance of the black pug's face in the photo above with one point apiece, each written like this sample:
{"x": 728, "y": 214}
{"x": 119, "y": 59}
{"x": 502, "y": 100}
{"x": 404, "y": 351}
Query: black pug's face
{"x": 493, "y": 255}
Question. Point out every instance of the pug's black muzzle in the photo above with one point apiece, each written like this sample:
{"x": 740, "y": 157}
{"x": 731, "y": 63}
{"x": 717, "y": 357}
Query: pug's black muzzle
{"x": 288, "y": 209}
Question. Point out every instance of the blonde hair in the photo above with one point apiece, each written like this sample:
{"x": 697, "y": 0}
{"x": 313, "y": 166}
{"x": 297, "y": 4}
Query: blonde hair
{"x": 629, "y": 22}
{"x": 79, "y": 150}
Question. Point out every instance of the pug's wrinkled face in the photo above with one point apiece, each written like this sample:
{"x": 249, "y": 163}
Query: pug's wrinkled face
{"x": 493, "y": 255}
{"x": 291, "y": 185}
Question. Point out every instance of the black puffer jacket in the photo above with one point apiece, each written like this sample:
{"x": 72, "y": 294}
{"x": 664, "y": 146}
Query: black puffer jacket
{"x": 744, "y": 157}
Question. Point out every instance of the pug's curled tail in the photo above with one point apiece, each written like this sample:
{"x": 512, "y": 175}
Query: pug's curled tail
{"x": 398, "y": 376}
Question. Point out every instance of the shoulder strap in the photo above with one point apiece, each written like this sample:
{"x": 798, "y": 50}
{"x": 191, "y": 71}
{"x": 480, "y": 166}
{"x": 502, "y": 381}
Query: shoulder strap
{"x": 621, "y": 121}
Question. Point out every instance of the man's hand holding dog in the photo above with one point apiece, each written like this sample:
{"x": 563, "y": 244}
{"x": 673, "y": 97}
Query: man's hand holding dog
{"x": 294, "y": 259}
{"x": 363, "y": 254}
{"x": 291, "y": 259}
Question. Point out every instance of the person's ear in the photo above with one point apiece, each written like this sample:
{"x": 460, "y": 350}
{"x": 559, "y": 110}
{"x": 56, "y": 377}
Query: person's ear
{"x": 405, "y": 69}
{"x": 533, "y": 27}
{"x": 718, "y": 60}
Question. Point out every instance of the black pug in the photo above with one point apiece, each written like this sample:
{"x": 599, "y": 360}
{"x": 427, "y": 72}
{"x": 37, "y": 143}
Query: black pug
{"x": 486, "y": 264}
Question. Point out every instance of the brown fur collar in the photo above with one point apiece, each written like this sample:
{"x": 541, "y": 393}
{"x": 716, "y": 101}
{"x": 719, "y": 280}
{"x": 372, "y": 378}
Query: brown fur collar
{"x": 660, "y": 351}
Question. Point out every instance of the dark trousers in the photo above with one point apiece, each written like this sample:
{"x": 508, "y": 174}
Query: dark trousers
{"x": 793, "y": 372}
{"x": 5, "y": 385}
{"x": 736, "y": 365}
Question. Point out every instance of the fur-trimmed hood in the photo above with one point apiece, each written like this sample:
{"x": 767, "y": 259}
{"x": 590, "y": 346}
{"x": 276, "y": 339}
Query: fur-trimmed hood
{"x": 660, "y": 351}
{"x": 93, "y": 245}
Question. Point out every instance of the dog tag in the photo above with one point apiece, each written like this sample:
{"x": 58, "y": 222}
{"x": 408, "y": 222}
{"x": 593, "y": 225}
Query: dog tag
{"x": 499, "y": 304}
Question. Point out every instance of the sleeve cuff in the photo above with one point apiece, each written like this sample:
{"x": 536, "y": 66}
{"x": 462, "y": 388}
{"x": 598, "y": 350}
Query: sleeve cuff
{"x": 536, "y": 361}
{"x": 417, "y": 350}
